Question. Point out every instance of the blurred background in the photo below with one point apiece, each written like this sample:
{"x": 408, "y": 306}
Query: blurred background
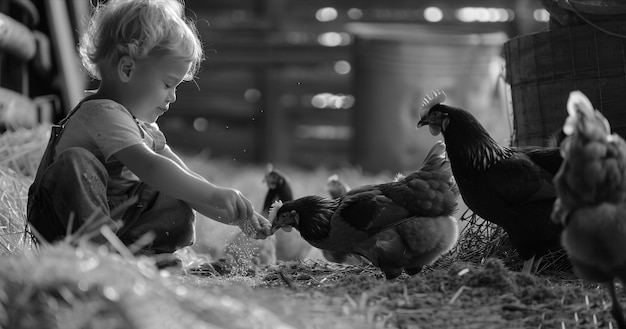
{"x": 318, "y": 83}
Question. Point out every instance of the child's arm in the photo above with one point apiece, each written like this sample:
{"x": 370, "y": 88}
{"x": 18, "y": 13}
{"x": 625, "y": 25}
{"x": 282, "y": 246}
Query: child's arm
{"x": 168, "y": 153}
{"x": 223, "y": 204}
{"x": 258, "y": 221}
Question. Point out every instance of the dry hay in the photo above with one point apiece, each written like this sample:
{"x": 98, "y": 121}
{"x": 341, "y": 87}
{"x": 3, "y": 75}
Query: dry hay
{"x": 480, "y": 239}
{"x": 67, "y": 287}
{"x": 20, "y": 153}
{"x": 21, "y": 149}
{"x": 464, "y": 295}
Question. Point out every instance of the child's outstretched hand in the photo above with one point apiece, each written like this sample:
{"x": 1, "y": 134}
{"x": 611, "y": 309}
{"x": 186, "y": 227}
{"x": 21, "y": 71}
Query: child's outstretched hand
{"x": 237, "y": 206}
{"x": 257, "y": 227}
{"x": 240, "y": 211}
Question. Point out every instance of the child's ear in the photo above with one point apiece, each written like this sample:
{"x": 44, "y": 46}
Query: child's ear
{"x": 125, "y": 68}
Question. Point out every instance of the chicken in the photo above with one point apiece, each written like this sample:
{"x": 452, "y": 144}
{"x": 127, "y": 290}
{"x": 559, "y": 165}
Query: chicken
{"x": 278, "y": 188}
{"x": 400, "y": 225}
{"x": 591, "y": 204}
{"x": 509, "y": 186}
{"x": 336, "y": 187}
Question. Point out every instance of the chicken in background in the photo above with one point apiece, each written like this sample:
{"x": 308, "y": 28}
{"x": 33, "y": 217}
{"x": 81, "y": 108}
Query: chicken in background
{"x": 278, "y": 188}
{"x": 591, "y": 204}
{"x": 400, "y": 225}
{"x": 336, "y": 189}
{"x": 509, "y": 186}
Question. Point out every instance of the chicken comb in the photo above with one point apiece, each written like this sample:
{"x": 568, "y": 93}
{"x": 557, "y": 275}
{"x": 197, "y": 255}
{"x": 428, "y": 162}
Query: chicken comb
{"x": 333, "y": 178}
{"x": 274, "y": 210}
{"x": 435, "y": 97}
{"x": 398, "y": 177}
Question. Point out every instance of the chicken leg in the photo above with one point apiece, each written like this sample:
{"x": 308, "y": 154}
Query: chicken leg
{"x": 616, "y": 309}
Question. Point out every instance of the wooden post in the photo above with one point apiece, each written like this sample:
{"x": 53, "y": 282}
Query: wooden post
{"x": 64, "y": 46}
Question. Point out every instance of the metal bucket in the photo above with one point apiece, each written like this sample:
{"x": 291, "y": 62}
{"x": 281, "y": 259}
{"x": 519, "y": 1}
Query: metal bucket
{"x": 396, "y": 65}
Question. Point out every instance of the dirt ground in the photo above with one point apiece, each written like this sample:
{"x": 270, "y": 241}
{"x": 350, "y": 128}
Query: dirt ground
{"x": 331, "y": 295}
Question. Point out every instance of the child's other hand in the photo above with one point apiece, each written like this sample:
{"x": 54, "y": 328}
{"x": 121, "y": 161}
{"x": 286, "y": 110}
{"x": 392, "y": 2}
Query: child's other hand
{"x": 237, "y": 206}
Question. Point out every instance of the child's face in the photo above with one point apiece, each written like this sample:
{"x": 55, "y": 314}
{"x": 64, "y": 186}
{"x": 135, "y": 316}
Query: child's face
{"x": 152, "y": 87}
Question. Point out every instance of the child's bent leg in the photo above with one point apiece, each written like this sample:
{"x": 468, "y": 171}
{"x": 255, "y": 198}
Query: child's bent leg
{"x": 74, "y": 186}
{"x": 170, "y": 220}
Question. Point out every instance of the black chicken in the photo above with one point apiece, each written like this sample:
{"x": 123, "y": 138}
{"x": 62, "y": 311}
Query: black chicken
{"x": 278, "y": 188}
{"x": 509, "y": 186}
{"x": 404, "y": 224}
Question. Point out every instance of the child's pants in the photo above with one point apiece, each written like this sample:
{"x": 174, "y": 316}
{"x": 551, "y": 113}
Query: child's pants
{"x": 75, "y": 186}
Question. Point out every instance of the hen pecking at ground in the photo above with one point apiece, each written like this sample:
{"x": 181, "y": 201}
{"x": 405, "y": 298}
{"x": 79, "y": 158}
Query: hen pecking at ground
{"x": 400, "y": 225}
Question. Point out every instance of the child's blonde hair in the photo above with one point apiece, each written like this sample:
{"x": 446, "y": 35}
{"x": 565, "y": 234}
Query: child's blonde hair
{"x": 139, "y": 28}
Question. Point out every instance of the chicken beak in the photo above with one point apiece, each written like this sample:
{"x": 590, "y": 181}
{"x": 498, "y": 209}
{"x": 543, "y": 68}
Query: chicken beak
{"x": 275, "y": 229}
{"x": 423, "y": 122}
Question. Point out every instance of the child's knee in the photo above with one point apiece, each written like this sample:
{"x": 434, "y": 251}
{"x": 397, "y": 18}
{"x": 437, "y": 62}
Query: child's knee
{"x": 172, "y": 223}
{"x": 78, "y": 161}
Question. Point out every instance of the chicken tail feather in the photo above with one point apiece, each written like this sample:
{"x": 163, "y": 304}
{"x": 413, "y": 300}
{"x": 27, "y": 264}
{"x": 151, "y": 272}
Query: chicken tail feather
{"x": 436, "y": 159}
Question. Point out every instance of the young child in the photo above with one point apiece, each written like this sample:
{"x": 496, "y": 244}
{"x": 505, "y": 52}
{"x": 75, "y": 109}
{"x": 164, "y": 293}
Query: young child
{"x": 111, "y": 149}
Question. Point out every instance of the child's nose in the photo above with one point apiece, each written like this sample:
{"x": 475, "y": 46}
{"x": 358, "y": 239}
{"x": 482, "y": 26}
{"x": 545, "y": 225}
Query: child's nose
{"x": 171, "y": 96}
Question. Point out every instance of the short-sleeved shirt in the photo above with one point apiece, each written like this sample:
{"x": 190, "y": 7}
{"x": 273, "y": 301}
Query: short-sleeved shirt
{"x": 105, "y": 127}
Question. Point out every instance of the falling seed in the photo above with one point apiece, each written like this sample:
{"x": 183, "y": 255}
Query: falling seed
{"x": 111, "y": 293}
{"x": 88, "y": 264}
{"x": 181, "y": 291}
{"x": 587, "y": 301}
{"x": 562, "y": 325}
{"x": 83, "y": 285}
{"x": 595, "y": 321}
{"x": 139, "y": 288}
{"x": 576, "y": 319}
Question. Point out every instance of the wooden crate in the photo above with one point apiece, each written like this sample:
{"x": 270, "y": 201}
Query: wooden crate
{"x": 542, "y": 68}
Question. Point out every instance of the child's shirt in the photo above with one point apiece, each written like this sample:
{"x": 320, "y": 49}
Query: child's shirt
{"x": 105, "y": 127}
